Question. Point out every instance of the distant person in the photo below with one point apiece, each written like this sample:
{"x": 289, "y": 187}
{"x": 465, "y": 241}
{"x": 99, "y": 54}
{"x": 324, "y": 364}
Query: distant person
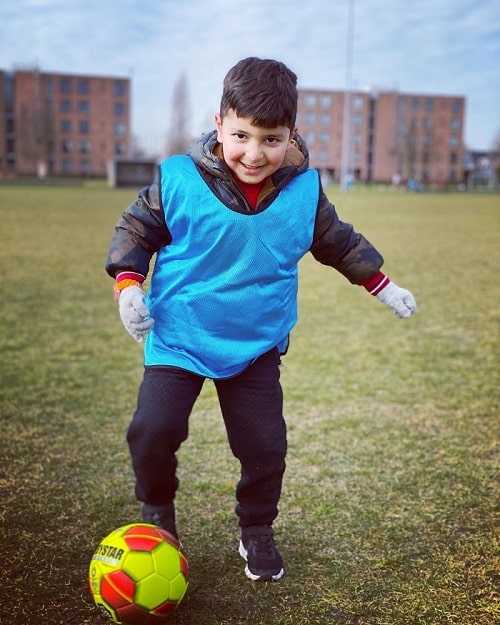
{"x": 228, "y": 224}
{"x": 41, "y": 170}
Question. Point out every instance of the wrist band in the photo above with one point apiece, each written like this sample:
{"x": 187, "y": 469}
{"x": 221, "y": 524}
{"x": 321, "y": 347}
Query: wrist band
{"x": 376, "y": 283}
{"x": 123, "y": 284}
{"x": 129, "y": 275}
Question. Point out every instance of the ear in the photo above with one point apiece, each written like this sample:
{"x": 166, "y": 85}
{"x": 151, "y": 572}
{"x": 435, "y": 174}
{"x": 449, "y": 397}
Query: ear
{"x": 292, "y": 135}
{"x": 218, "y": 125}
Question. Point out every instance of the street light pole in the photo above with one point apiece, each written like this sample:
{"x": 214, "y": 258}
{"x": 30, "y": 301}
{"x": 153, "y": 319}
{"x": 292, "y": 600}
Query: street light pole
{"x": 345, "y": 167}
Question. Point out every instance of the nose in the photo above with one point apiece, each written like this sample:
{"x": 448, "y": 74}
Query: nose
{"x": 253, "y": 152}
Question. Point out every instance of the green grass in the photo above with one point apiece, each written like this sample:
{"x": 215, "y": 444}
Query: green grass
{"x": 391, "y": 495}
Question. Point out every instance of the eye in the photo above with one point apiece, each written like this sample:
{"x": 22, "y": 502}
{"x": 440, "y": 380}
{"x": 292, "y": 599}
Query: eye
{"x": 240, "y": 136}
{"x": 272, "y": 140}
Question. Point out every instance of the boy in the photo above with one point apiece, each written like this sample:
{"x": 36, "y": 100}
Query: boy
{"x": 229, "y": 223}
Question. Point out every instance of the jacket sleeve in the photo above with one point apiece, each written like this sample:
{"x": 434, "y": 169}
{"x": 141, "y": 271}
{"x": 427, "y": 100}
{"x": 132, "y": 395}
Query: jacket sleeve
{"x": 335, "y": 243}
{"x": 139, "y": 233}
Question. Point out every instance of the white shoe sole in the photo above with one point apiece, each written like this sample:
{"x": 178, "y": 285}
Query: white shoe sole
{"x": 256, "y": 578}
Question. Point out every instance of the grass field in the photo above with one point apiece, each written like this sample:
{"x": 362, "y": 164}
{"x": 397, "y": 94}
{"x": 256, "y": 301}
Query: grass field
{"x": 390, "y": 502}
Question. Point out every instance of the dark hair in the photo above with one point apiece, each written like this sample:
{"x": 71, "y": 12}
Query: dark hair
{"x": 262, "y": 90}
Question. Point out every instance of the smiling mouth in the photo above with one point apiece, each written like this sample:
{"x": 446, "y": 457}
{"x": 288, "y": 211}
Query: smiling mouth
{"x": 251, "y": 168}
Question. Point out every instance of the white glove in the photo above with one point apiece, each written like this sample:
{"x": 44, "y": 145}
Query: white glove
{"x": 134, "y": 313}
{"x": 400, "y": 300}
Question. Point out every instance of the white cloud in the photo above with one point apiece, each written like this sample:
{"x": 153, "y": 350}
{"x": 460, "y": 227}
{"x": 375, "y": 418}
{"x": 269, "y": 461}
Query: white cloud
{"x": 441, "y": 46}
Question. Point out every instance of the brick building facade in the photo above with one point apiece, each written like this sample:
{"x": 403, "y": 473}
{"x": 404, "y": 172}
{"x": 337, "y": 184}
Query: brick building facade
{"x": 62, "y": 124}
{"x": 73, "y": 125}
{"x": 389, "y": 135}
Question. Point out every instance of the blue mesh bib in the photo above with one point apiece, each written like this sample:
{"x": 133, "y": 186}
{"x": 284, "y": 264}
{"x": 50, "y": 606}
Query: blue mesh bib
{"x": 224, "y": 291}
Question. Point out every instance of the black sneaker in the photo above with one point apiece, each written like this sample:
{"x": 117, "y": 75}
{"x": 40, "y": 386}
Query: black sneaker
{"x": 257, "y": 548}
{"x": 163, "y": 516}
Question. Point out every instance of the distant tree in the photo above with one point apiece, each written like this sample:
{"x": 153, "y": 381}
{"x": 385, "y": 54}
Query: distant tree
{"x": 408, "y": 156}
{"x": 136, "y": 149}
{"x": 35, "y": 128}
{"x": 179, "y": 138}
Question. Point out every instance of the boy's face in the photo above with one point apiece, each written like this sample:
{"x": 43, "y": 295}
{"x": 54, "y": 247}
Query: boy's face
{"x": 251, "y": 152}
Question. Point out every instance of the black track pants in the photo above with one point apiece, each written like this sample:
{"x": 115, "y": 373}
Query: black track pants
{"x": 252, "y": 407}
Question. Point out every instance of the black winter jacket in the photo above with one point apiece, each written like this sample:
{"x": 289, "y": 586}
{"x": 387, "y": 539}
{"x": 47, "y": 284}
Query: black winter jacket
{"x": 141, "y": 231}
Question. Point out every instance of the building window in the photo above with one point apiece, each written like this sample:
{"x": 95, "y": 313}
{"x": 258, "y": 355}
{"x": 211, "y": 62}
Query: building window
{"x": 415, "y": 104}
{"x": 453, "y": 142}
{"x": 309, "y": 136}
{"x": 65, "y": 85}
{"x": 357, "y": 103}
{"x": 324, "y": 137}
{"x": 455, "y": 124}
{"x": 429, "y": 105}
{"x": 119, "y": 147}
{"x": 119, "y": 109}
{"x": 356, "y": 120}
{"x": 84, "y": 126}
{"x": 66, "y": 166}
{"x": 456, "y": 106}
{"x": 309, "y": 119}
{"x": 325, "y": 101}
{"x": 84, "y": 166}
{"x": 65, "y": 126}
{"x": 84, "y": 147}
{"x": 65, "y": 106}
{"x": 310, "y": 100}
{"x": 323, "y": 156}
{"x": 325, "y": 119}
{"x": 83, "y": 107}
{"x": 67, "y": 146}
{"x": 453, "y": 158}
{"x": 83, "y": 86}
{"x": 119, "y": 88}
{"x": 120, "y": 130}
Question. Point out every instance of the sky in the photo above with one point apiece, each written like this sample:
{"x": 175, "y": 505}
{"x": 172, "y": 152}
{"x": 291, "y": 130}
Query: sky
{"x": 445, "y": 47}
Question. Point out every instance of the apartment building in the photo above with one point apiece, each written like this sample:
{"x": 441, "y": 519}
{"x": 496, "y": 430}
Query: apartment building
{"x": 62, "y": 124}
{"x": 384, "y": 136}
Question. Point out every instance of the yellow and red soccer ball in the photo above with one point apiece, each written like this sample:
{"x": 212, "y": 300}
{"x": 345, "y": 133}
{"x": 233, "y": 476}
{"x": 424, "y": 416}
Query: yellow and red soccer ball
{"x": 138, "y": 574}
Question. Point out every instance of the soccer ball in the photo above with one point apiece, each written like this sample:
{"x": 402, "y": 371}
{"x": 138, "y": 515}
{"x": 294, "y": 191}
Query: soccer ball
{"x": 138, "y": 574}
